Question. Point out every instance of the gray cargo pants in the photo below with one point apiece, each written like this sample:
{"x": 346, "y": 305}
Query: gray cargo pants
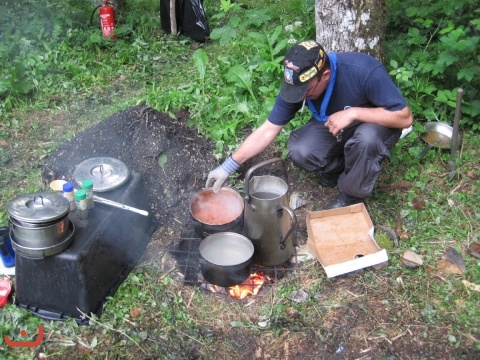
{"x": 357, "y": 157}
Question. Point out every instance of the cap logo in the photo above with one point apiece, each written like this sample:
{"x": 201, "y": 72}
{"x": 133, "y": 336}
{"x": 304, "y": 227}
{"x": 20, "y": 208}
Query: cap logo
{"x": 307, "y": 75}
{"x": 309, "y": 44}
{"x": 291, "y": 65}
{"x": 319, "y": 62}
{"x": 288, "y": 75}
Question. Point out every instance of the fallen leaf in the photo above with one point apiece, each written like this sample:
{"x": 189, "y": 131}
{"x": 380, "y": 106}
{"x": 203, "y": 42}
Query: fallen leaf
{"x": 448, "y": 267}
{"x": 136, "y": 312}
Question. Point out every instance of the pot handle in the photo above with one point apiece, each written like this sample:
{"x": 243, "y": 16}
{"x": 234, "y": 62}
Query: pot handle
{"x": 248, "y": 174}
{"x": 293, "y": 224}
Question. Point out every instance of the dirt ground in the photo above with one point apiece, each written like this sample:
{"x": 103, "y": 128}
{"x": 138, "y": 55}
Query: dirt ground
{"x": 358, "y": 316}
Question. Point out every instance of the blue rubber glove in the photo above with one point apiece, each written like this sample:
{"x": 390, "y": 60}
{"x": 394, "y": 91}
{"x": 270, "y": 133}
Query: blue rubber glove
{"x": 218, "y": 176}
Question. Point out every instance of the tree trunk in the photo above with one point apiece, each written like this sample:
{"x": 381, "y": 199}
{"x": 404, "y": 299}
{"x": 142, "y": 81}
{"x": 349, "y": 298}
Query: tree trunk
{"x": 351, "y": 25}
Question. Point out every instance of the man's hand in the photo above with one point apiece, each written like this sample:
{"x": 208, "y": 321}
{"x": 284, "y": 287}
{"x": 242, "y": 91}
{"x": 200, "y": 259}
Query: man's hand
{"x": 219, "y": 175}
{"x": 339, "y": 121}
{"x": 216, "y": 178}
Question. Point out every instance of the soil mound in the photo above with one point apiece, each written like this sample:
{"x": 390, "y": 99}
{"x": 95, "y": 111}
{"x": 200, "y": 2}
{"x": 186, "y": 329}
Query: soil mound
{"x": 172, "y": 158}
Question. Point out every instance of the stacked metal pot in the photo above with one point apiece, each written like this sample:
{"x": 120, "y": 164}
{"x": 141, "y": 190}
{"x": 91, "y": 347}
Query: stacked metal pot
{"x": 39, "y": 224}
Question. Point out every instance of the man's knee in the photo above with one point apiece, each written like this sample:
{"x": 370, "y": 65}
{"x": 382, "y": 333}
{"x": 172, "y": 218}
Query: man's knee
{"x": 298, "y": 153}
{"x": 366, "y": 141}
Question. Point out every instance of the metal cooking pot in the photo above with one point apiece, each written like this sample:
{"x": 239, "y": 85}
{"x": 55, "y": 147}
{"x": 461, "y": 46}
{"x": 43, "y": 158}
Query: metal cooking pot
{"x": 225, "y": 258}
{"x": 36, "y": 250}
{"x": 31, "y": 235}
{"x": 437, "y": 134}
{"x": 217, "y": 212}
{"x": 39, "y": 224}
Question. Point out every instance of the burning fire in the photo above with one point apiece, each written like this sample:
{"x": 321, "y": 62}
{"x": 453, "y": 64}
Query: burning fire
{"x": 249, "y": 287}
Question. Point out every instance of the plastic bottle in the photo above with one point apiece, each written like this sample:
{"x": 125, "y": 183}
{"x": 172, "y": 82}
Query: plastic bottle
{"x": 68, "y": 192}
{"x": 87, "y": 185}
{"x": 82, "y": 206}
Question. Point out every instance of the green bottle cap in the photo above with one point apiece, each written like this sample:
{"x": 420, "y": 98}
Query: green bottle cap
{"x": 80, "y": 195}
{"x": 87, "y": 184}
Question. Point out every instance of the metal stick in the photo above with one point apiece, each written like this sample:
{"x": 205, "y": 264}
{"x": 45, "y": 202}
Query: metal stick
{"x": 456, "y": 120}
{"x": 119, "y": 205}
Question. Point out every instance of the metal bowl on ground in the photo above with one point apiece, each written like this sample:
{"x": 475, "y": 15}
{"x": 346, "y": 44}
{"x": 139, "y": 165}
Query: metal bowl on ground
{"x": 225, "y": 258}
{"x": 437, "y": 134}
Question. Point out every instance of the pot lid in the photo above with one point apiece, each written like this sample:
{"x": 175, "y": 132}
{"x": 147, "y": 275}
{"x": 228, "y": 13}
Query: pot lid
{"x": 38, "y": 208}
{"x": 106, "y": 173}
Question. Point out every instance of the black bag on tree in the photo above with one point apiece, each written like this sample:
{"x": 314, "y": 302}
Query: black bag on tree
{"x": 171, "y": 16}
{"x": 194, "y": 20}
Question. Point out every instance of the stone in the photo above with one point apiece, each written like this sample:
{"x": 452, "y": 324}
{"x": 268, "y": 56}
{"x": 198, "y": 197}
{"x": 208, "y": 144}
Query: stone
{"x": 411, "y": 260}
{"x": 474, "y": 249}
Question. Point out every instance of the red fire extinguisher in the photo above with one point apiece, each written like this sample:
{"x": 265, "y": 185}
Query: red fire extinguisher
{"x": 107, "y": 19}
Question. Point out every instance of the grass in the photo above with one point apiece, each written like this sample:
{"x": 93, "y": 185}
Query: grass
{"x": 391, "y": 312}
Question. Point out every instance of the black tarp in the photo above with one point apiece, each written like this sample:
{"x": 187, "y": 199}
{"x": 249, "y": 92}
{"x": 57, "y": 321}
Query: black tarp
{"x": 188, "y": 18}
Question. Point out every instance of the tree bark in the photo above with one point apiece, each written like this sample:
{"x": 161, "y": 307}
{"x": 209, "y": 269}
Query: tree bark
{"x": 351, "y": 25}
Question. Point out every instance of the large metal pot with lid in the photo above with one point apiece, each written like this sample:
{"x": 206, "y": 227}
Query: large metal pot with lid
{"x": 39, "y": 224}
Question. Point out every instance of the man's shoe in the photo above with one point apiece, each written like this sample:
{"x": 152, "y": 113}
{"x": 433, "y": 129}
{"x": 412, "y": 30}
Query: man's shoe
{"x": 343, "y": 200}
{"x": 328, "y": 179}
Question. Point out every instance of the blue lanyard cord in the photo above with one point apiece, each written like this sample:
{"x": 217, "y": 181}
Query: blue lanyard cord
{"x": 322, "y": 115}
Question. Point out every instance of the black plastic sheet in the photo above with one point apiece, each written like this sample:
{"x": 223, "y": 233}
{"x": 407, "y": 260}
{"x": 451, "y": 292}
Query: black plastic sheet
{"x": 194, "y": 20}
{"x": 184, "y": 17}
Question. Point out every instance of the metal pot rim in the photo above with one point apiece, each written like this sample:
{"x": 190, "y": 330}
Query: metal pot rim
{"x": 227, "y": 240}
{"x": 227, "y": 193}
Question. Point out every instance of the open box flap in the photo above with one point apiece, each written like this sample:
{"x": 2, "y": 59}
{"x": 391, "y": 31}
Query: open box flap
{"x": 356, "y": 264}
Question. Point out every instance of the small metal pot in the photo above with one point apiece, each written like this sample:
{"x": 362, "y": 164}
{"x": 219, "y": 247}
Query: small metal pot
{"x": 217, "y": 212}
{"x": 32, "y": 236}
{"x": 37, "y": 251}
{"x": 39, "y": 224}
{"x": 225, "y": 258}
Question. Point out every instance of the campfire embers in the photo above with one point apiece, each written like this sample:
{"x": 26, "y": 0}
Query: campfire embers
{"x": 249, "y": 287}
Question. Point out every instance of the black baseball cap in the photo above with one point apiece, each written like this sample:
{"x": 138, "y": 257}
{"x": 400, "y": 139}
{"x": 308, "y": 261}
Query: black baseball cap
{"x": 301, "y": 64}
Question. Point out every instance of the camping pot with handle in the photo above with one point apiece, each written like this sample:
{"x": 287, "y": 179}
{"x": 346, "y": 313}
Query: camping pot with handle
{"x": 268, "y": 220}
{"x": 39, "y": 224}
{"x": 225, "y": 258}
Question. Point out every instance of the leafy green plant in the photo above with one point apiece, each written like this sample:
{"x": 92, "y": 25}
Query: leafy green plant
{"x": 432, "y": 51}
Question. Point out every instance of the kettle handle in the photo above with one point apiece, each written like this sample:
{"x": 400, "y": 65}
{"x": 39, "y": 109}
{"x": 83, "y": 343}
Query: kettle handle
{"x": 293, "y": 224}
{"x": 248, "y": 174}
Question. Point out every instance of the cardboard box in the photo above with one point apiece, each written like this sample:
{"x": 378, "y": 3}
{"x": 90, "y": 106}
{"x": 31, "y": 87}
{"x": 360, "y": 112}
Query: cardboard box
{"x": 342, "y": 239}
